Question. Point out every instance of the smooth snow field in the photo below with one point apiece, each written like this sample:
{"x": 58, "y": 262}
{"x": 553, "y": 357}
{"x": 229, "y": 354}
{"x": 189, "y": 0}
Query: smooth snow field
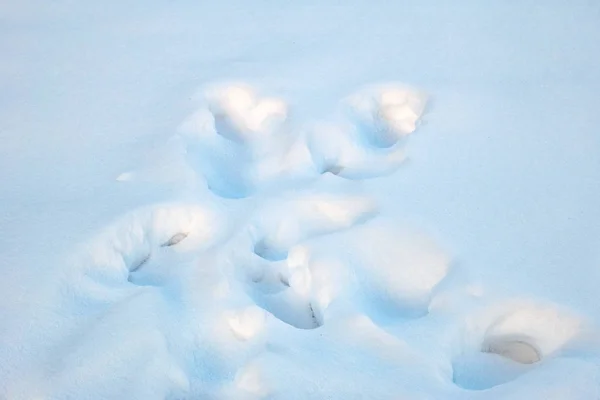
{"x": 300, "y": 200}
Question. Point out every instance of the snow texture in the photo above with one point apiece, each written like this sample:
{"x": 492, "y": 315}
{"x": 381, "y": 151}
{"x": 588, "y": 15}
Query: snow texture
{"x": 269, "y": 241}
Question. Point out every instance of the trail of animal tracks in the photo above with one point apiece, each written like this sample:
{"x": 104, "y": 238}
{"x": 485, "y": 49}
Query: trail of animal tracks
{"x": 310, "y": 201}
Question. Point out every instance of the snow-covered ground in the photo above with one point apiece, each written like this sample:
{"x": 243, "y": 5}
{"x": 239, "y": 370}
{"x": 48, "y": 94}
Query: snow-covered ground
{"x": 309, "y": 200}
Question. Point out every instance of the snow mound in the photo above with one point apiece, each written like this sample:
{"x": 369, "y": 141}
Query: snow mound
{"x": 399, "y": 270}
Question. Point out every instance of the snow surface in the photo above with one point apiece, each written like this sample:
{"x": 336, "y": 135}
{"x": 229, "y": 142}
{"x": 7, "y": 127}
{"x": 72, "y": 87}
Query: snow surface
{"x": 320, "y": 200}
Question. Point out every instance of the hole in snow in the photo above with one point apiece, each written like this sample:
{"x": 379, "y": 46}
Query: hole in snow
{"x": 334, "y": 169}
{"x": 138, "y": 264}
{"x": 513, "y": 341}
{"x": 500, "y": 360}
{"x": 285, "y": 280}
{"x": 316, "y": 316}
{"x": 269, "y": 252}
{"x": 175, "y": 239}
{"x": 516, "y": 349}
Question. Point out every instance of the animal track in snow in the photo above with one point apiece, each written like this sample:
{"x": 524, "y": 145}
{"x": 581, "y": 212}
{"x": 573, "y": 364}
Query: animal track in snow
{"x": 244, "y": 146}
{"x": 367, "y": 143}
{"x": 135, "y": 246}
{"x": 513, "y": 339}
{"x": 239, "y": 141}
{"x": 234, "y": 277}
{"x": 302, "y": 216}
{"x": 385, "y": 114}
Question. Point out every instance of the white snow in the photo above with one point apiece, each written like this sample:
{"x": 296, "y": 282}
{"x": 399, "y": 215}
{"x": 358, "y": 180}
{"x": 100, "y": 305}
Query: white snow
{"x": 320, "y": 200}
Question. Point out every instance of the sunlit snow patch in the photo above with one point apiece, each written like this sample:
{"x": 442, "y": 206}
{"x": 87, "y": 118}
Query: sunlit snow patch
{"x": 240, "y": 141}
{"x": 386, "y": 113}
{"x": 365, "y": 143}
